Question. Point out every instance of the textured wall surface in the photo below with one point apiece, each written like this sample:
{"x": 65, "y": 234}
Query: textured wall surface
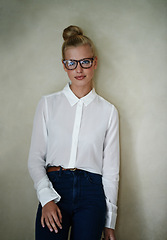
{"x": 130, "y": 36}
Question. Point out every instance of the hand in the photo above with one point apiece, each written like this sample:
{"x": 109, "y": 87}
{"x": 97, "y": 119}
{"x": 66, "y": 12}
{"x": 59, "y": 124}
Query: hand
{"x": 109, "y": 234}
{"x": 51, "y": 216}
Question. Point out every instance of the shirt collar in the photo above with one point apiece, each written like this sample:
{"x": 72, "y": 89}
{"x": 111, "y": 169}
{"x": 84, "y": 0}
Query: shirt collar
{"x": 73, "y": 99}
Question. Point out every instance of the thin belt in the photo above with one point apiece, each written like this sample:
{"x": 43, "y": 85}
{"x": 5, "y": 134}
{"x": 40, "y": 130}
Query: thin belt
{"x": 52, "y": 169}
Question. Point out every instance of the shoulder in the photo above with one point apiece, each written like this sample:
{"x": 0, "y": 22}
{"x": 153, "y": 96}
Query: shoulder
{"x": 49, "y": 100}
{"x": 106, "y": 104}
{"x": 111, "y": 110}
{"x": 52, "y": 98}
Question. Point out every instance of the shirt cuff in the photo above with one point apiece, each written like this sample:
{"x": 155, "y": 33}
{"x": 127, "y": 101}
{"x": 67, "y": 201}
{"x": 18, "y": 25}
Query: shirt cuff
{"x": 46, "y": 192}
{"x": 111, "y": 215}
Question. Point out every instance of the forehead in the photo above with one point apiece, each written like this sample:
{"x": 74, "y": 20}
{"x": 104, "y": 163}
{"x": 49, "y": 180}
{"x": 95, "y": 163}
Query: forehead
{"x": 79, "y": 52}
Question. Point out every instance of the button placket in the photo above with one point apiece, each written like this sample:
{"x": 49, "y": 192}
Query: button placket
{"x": 75, "y": 136}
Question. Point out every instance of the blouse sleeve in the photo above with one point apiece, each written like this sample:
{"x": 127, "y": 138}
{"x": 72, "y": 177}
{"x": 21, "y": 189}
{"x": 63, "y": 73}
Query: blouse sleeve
{"x": 37, "y": 156}
{"x": 110, "y": 174}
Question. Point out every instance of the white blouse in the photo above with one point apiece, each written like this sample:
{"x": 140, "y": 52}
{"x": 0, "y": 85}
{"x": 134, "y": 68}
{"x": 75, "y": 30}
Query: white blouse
{"x": 76, "y": 133}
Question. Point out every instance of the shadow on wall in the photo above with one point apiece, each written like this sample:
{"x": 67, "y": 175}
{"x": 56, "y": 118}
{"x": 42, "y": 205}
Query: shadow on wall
{"x": 130, "y": 220}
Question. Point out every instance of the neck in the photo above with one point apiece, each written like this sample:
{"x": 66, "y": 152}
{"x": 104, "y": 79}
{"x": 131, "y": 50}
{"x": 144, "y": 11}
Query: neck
{"x": 81, "y": 91}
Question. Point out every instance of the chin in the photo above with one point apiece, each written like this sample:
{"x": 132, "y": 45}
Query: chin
{"x": 81, "y": 83}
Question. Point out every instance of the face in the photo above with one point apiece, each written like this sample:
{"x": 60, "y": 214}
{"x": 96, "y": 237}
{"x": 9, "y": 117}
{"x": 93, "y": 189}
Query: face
{"x": 80, "y": 77}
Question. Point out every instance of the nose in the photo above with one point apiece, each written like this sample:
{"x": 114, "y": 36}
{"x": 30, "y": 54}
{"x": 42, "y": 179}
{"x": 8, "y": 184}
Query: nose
{"x": 79, "y": 69}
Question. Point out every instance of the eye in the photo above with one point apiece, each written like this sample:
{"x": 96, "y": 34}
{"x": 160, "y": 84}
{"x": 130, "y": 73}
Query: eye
{"x": 71, "y": 63}
{"x": 86, "y": 61}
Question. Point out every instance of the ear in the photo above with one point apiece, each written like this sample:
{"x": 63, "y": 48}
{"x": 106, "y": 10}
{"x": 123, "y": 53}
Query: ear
{"x": 95, "y": 62}
{"x": 65, "y": 69}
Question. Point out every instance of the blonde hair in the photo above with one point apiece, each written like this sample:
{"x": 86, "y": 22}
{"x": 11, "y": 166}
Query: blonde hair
{"x": 73, "y": 37}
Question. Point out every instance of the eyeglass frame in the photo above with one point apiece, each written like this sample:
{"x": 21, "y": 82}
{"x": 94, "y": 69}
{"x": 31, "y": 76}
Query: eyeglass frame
{"x": 78, "y": 61}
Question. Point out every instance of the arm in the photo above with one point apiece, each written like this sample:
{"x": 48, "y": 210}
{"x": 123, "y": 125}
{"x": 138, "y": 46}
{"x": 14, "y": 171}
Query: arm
{"x": 36, "y": 165}
{"x": 38, "y": 148}
{"x": 111, "y": 169}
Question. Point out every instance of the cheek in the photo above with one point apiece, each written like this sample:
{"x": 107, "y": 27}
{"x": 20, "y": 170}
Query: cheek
{"x": 91, "y": 72}
{"x": 70, "y": 74}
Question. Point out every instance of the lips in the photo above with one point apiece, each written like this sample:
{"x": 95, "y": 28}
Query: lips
{"x": 80, "y": 77}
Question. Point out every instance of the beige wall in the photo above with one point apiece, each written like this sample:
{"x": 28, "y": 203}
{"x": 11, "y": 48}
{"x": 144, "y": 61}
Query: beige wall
{"x": 130, "y": 36}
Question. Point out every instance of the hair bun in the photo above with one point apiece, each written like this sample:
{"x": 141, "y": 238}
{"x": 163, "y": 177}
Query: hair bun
{"x": 71, "y": 31}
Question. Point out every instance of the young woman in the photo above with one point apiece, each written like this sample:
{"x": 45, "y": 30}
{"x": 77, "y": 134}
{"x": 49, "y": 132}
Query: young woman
{"x": 74, "y": 154}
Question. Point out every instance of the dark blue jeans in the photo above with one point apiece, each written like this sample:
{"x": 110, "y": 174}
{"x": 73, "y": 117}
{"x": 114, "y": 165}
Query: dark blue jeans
{"x": 82, "y": 205}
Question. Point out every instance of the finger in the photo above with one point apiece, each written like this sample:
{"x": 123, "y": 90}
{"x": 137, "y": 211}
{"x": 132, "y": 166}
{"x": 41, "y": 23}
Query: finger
{"x": 48, "y": 224}
{"x": 59, "y": 214}
{"x": 53, "y": 225}
{"x": 42, "y": 222}
{"x": 57, "y": 221}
